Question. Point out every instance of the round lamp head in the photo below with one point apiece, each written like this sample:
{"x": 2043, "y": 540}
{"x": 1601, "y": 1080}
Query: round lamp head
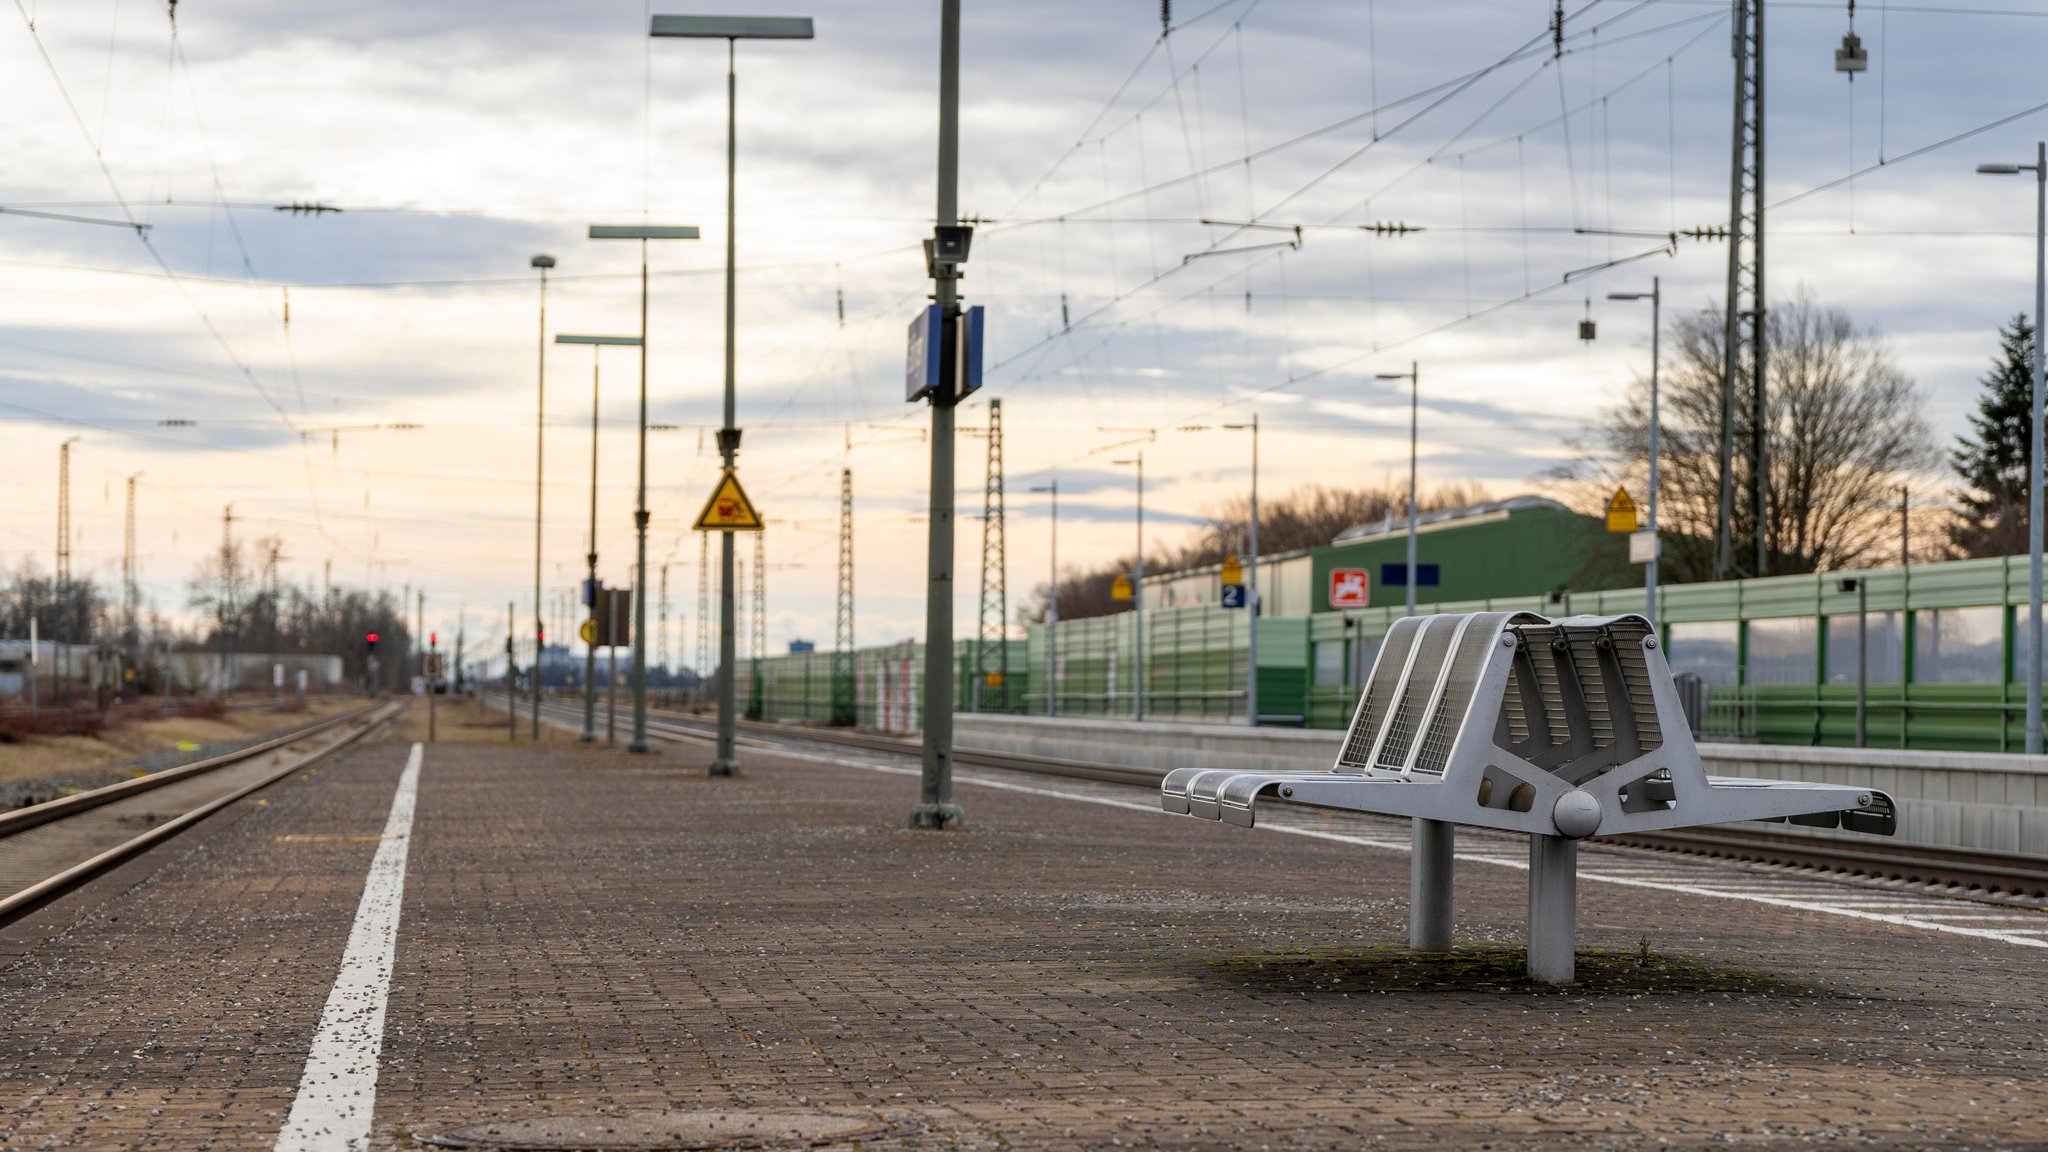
{"x": 543, "y": 261}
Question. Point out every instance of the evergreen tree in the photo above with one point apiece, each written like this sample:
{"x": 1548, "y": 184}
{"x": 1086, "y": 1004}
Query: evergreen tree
{"x": 1992, "y": 461}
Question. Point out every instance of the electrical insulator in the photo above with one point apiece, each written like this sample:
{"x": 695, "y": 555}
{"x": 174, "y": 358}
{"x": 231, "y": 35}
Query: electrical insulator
{"x": 1852, "y": 57}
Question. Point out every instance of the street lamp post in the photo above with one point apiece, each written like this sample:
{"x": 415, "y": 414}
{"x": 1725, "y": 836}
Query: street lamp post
{"x": 643, "y": 233}
{"x": 731, "y": 29}
{"x": 1414, "y": 378}
{"x": 2040, "y": 170}
{"x": 590, "y": 557}
{"x": 1251, "y": 667}
{"x": 1138, "y": 600}
{"x": 540, "y": 628}
{"x": 1434, "y": 841}
{"x": 1052, "y": 605}
{"x": 1656, "y": 298}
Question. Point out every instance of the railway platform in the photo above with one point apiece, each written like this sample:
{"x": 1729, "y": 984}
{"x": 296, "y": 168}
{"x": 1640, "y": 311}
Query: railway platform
{"x": 582, "y": 948}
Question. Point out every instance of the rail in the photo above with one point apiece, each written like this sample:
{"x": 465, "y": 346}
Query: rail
{"x": 12, "y": 824}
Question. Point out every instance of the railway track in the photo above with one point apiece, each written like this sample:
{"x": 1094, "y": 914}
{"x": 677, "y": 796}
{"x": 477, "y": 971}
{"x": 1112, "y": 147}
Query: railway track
{"x": 52, "y": 848}
{"x": 1996, "y": 875}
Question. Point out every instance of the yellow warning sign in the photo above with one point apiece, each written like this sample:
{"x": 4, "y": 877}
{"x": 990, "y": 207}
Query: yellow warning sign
{"x": 1621, "y": 512}
{"x": 728, "y": 510}
{"x": 588, "y": 632}
{"x": 1121, "y": 590}
{"x": 995, "y": 679}
{"x": 1233, "y": 572}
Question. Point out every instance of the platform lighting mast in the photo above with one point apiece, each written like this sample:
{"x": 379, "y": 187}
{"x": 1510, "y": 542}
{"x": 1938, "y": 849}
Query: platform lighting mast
{"x": 991, "y": 654}
{"x": 843, "y": 690}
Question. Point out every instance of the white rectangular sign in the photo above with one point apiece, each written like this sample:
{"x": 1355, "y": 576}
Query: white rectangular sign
{"x": 1642, "y": 547}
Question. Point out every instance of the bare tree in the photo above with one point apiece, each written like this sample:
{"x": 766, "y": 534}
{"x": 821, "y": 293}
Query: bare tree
{"x": 1844, "y": 431}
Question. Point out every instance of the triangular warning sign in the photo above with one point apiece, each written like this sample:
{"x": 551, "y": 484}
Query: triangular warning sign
{"x": 728, "y": 510}
{"x": 1621, "y": 512}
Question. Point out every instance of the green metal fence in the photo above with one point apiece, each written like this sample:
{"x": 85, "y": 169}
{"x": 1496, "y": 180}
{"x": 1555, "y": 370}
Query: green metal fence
{"x": 1944, "y": 649}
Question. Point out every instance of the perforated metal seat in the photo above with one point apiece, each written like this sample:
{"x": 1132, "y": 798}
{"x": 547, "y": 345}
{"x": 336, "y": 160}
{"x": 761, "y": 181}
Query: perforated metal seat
{"x": 1558, "y": 728}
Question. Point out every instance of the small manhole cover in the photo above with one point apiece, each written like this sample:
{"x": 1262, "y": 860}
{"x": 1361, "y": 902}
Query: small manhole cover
{"x": 665, "y": 1130}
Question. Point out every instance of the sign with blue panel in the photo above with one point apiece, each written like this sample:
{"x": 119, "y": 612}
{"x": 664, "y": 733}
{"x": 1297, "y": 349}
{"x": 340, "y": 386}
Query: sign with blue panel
{"x": 921, "y": 373}
{"x": 1396, "y": 575}
{"x": 1233, "y": 595}
{"x": 922, "y": 367}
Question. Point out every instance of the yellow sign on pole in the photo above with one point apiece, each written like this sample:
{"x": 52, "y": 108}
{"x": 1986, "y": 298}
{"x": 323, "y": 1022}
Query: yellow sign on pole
{"x": 728, "y": 510}
{"x": 1121, "y": 589}
{"x": 1233, "y": 572}
{"x": 995, "y": 679}
{"x": 1621, "y": 512}
{"x": 588, "y": 631}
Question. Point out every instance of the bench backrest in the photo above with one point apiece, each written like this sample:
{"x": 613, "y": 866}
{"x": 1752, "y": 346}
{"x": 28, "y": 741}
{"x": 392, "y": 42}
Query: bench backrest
{"x": 1573, "y": 697}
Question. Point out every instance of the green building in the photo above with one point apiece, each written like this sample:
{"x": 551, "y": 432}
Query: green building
{"x": 1525, "y": 546}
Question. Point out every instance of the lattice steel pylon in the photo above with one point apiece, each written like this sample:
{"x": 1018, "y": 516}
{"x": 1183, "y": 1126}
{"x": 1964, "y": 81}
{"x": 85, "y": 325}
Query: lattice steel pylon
{"x": 760, "y": 627}
{"x": 1740, "y": 533}
{"x": 844, "y": 713}
{"x": 58, "y": 619}
{"x": 703, "y": 606}
{"x": 130, "y": 637}
{"x": 661, "y": 637}
{"x": 991, "y": 654}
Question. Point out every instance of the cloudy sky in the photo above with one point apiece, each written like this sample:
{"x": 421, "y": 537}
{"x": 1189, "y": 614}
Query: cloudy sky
{"x": 462, "y": 137}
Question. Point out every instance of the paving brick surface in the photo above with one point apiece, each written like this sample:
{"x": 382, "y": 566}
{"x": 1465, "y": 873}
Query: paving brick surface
{"x": 588, "y": 932}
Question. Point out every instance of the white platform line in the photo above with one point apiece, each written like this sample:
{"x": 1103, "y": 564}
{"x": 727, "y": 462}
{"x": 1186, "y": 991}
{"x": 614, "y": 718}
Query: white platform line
{"x": 338, "y": 1091}
{"x": 1828, "y": 905}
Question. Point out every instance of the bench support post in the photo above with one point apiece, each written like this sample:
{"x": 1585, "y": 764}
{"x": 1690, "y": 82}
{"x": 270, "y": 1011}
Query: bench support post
{"x": 1429, "y": 886}
{"x": 1553, "y": 908}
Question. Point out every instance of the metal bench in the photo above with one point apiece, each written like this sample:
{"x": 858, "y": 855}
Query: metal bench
{"x": 1562, "y": 729}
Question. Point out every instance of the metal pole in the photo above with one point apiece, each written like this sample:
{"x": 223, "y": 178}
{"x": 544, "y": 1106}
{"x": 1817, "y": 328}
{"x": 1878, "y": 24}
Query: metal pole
{"x": 511, "y": 671}
{"x": 1414, "y": 396}
{"x": 1052, "y": 611}
{"x": 2034, "y": 456}
{"x": 935, "y": 808}
{"x": 1650, "y": 570}
{"x": 639, "y": 669}
{"x": 725, "y": 762}
{"x": 590, "y": 557}
{"x": 1862, "y": 663}
{"x": 540, "y": 628}
{"x": 1138, "y": 600}
{"x": 1251, "y": 656}
{"x": 611, "y": 676}
{"x": 433, "y": 654}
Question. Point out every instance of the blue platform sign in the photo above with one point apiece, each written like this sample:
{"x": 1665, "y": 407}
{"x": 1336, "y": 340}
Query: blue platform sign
{"x": 589, "y": 592}
{"x": 1396, "y": 575}
{"x": 921, "y": 372}
{"x": 970, "y": 336}
{"x": 1233, "y": 595}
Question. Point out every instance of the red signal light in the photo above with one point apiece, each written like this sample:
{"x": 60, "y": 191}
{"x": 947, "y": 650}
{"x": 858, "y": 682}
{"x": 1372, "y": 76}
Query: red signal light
{"x": 433, "y": 638}
{"x": 371, "y": 637}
